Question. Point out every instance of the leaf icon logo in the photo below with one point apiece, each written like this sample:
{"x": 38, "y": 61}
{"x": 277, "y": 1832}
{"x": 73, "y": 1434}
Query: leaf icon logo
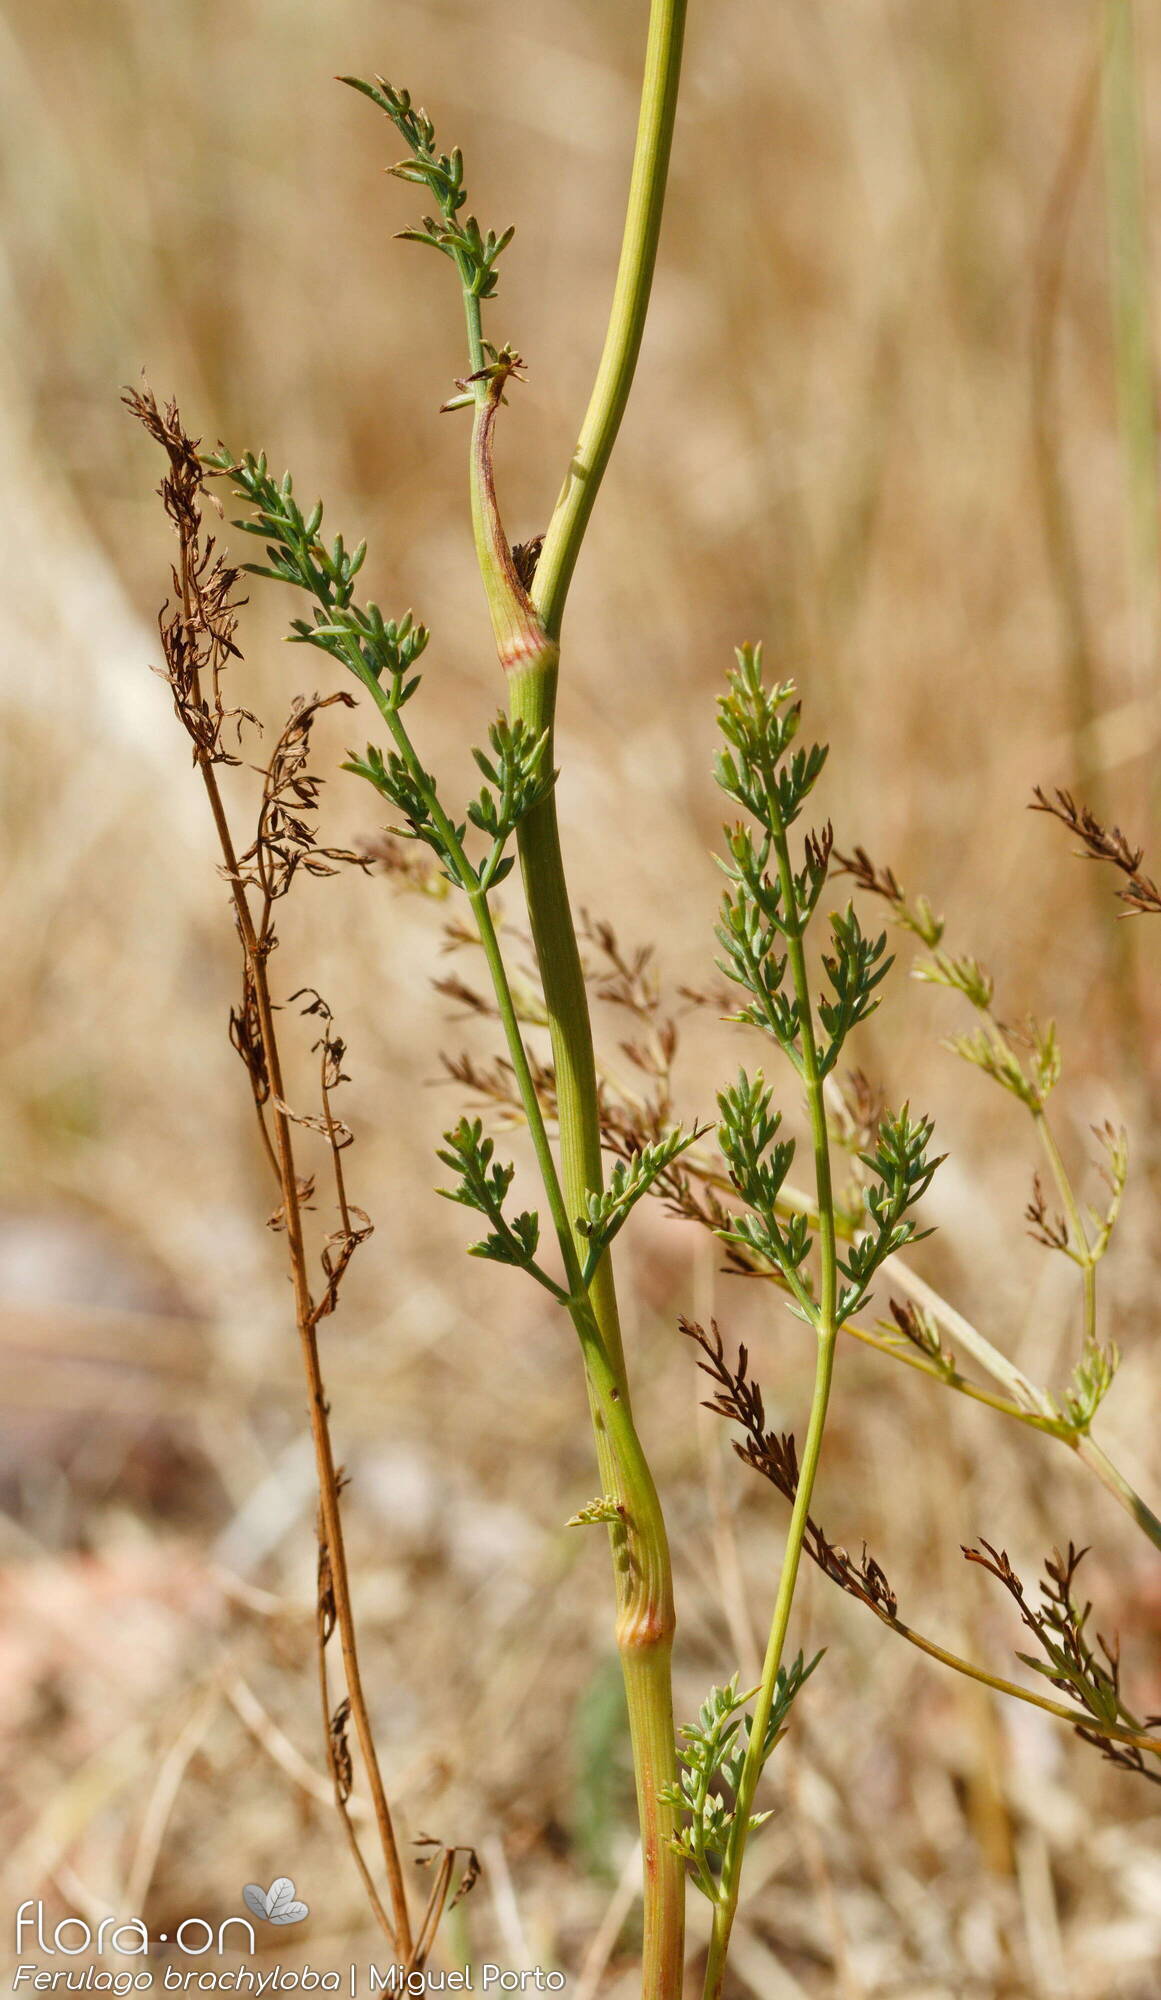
{"x": 275, "y": 1905}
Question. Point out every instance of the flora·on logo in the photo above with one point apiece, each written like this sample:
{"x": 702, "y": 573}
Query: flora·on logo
{"x": 277, "y": 1904}
{"x": 129, "y": 1937}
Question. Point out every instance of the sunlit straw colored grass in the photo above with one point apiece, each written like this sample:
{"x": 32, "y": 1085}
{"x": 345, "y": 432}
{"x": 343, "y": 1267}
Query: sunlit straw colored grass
{"x": 517, "y": 773}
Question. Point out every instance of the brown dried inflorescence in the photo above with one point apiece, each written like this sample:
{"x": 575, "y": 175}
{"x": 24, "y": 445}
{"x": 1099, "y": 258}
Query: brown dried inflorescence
{"x": 1088, "y": 1675}
{"x": 869, "y": 877}
{"x": 1099, "y": 843}
{"x": 1044, "y": 1227}
{"x": 197, "y": 627}
{"x": 775, "y": 1456}
{"x": 197, "y": 634}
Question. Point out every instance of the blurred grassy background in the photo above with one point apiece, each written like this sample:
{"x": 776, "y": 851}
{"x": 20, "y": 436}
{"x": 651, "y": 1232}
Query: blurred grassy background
{"x": 878, "y": 424}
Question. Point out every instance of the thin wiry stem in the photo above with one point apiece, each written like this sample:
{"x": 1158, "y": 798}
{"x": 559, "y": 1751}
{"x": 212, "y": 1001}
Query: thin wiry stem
{"x": 1090, "y": 1453}
{"x": 1024, "y": 1402}
{"x": 1115, "y": 1733}
{"x": 330, "y": 1511}
{"x": 182, "y": 496}
{"x": 740, "y": 1401}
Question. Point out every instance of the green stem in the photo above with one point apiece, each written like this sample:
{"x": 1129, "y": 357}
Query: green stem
{"x": 475, "y": 329}
{"x": 626, "y": 325}
{"x": 1082, "y": 1248}
{"x": 645, "y": 1615}
{"x": 527, "y": 1088}
{"x": 526, "y": 629}
{"x": 1087, "y": 1448}
{"x": 1081, "y": 1442}
{"x": 1057, "y": 1427}
{"x": 1083, "y": 1251}
{"x": 968, "y": 1337}
{"x": 719, "y": 1945}
{"x": 730, "y": 1884}
{"x": 825, "y": 1320}
{"x": 1079, "y": 1718}
{"x": 644, "y": 1637}
{"x": 638, "y": 1540}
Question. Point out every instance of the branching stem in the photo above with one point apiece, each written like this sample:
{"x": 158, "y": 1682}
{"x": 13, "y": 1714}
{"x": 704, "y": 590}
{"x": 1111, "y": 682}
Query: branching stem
{"x": 824, "y": 1317}
{"x": 1024, "y": 1402}
{"x": 645, "y": 1614}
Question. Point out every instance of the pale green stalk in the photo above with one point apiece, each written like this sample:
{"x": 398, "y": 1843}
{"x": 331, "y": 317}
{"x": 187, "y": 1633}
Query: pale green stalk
{"x": 1115, "y": 1732}
{"x": 1026, "y": 1404}
{"x": 1039, "y": 1417}
{"x": 1087, "y": 1254}
{"x": 898, "y": 1350}
{"x": 824, "y": 1318}
{"x": 1081, "y": 1251}
{"x": 967, "y": 1336}
{"x": 527, "y": 631}
{"x": 1037, "y": 1410}
{"x": 1089, "y": 1451}
{"x": 627, "y": 314}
